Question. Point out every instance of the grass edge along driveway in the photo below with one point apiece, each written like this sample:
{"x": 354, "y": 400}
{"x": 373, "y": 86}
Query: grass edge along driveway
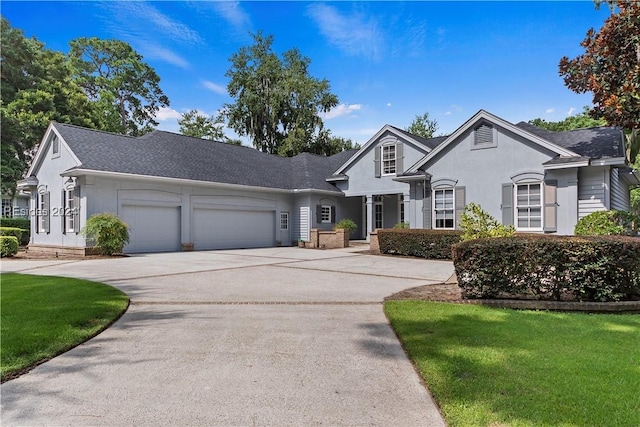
{"x": 44, "y": 316}
{"x": 498, "y": 367}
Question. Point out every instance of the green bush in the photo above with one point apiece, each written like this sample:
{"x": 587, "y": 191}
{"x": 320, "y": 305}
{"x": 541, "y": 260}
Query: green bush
{"x": 594, "y": 268}
{"x": 476, "y": 223}
{"x": 23, "y": 223}
{"x": 603, "y": 223}
{"x": 11, "y": 231}
{"x": 109, "y": 233}
{"x": 404, "y": 224}
{"x": 431, "y": 244}
{"x": 347, "y": 224}
{"x": 8, "y": 246}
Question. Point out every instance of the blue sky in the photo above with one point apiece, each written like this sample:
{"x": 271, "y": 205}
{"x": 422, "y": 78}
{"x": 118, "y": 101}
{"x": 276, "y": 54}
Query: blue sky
{"x": 386, "y": 61}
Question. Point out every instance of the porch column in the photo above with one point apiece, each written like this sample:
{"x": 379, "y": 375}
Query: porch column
{"x": 369, "y": 215}
{"x": 409, "y": 215}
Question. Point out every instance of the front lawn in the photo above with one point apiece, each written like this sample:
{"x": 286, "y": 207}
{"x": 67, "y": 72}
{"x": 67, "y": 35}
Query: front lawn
{"x": 43, "y": 316}
{"x": 497, "y": 367}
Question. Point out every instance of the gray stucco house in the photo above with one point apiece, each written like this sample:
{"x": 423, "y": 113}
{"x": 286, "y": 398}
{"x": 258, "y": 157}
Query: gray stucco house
{"x": 178, "y": 192}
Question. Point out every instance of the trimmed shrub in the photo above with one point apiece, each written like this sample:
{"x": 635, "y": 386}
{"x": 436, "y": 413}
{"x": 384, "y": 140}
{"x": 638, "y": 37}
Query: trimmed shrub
{"x": 594, "y": 268}
{"x": 347, "y": 224}
{"x": 23, "y": 223}
{"x": 11, "y": 231}
{"x": 476, "y": 223}
{"x": 603, "y": 223}
{"x": 8, "y": 246}
{"x": 431, "y": 244}
{"x": 404, "y": 224}
{"x": 109, "y": 233}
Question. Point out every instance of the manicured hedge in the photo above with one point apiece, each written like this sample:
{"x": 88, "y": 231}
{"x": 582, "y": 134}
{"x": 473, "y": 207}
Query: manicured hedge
{"x": 22, "y": 223}
{"x": 593, "y": 268}
{"x": 431, "y": 244}
{"x": 8, "y": 246}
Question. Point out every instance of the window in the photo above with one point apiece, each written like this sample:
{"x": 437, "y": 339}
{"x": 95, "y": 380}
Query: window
{"x": 444, "y": 208}
{"x": 70, "y": 210}
{"x": 43, "y": 212}
{"x": 7, "y": 210}
{"x": 325, "y": 214}
{"x": 377, "y": 212}
{"x": 388, "y": 159}
{"x": 55, "y": 146}
{"x": 529, "y": 206}
{"x": 284, "y": 220}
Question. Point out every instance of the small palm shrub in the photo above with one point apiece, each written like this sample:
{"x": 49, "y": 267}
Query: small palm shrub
{"x": 109, "y": 233}
{"x": 476, "y": 223}
{"x": 608, "y": 223}
{"x": 8, "y": 246}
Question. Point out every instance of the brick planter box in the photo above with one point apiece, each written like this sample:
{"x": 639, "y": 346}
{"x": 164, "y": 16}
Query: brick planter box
{"x": 321, "y": 239}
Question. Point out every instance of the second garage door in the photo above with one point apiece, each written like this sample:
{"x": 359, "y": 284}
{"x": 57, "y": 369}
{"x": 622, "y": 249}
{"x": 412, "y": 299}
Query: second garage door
{"x": 152, "y": 228}
{"x": 232, "y": 229}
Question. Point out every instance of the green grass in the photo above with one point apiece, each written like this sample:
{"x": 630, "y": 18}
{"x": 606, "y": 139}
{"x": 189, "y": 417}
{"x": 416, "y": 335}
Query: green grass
{"x": 43, "y": 316}
{"x": 496, "y": 367}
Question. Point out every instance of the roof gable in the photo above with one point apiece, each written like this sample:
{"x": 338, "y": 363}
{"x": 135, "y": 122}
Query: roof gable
{"x": 485, "y": 116}
{"x": 423, "y": 144}
{"x": 43, "y": 149}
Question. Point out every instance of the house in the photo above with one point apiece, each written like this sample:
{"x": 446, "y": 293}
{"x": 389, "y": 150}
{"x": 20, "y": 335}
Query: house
{"x": 16, "y": 206}
{"x": 180, "y": 193}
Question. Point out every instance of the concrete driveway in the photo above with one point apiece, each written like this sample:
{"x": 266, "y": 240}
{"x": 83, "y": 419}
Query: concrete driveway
{"x": 276, "y": 336}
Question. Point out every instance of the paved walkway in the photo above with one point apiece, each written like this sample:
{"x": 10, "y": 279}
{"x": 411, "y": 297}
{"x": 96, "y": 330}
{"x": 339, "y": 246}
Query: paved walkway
{"x": 276, "y": 336}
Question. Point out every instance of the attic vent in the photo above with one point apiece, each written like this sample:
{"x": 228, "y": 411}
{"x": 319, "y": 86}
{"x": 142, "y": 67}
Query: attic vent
{"x": 483, "y": 135}
{"x": 55, "y": 146}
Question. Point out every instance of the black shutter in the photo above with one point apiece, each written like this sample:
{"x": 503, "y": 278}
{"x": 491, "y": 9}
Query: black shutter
{"x": 376, "y": 160}
{"x": 550, "y": 206}
{"x": 63, "y": 211}
{"x": 333, "y": 214}
{"x": 319, "y": 214}
{"x": 507, "y": 204}
{"x": 76, "y": 209}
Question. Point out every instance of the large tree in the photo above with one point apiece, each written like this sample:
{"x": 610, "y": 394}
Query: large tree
{"x": 124, "y": 87}
{"x": 193, "y": 123}
{"x": 423, "y": 126}
{"x": 610, "y": 69}
{"x": 36, "y": 87}
{"x": 277, "y": 102}
{"x": 582, "y": 120}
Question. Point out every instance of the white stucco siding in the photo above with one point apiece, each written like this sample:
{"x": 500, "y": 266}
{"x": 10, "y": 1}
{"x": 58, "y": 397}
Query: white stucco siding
{"x": 483, "y": 171}
{"x": 620, "y": 197}
{"x": 592, "y": 190}
{"x": 362, "y": 179}
{"x": 48, "y": 171}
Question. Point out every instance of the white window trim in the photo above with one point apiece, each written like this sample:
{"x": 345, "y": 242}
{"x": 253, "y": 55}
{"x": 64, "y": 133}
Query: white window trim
{"x": 378, "y": 201}
{"x": 382, "y": 160}
{"x": 69, "y": 199}
{"x": 433, "y": 208}
{"x": 515, "y": 206}
{"x": 41, "y": 212}
{"x": 285, "y": 216}
{"x": 327, "y": 209}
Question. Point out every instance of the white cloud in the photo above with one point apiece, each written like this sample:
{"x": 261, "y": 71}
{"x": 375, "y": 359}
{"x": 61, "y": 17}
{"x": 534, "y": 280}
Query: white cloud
{"x": 166, "y": 113}
{"x": 154, "y": 51}
{"x": 388, "y": 104}
{"x": 549, "y": 110}
{"x": 448, "y": 113}
{"x": 571, "y": 111}
{"x": 213, "y": 87}
{"x": 354, "y": 34}
{"x": 342, "y": 110}
{"x": 232, "y": 13}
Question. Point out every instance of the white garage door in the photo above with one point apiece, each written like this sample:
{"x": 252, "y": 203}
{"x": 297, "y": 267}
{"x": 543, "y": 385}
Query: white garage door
{"x": 227, "y": 229}
{"x": 152, "y": 228}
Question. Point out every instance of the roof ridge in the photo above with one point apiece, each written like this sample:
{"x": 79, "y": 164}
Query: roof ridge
{"x": 94, "y": 130}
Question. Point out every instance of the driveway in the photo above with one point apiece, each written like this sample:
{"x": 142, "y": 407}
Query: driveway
{"x": 275, "y": 336}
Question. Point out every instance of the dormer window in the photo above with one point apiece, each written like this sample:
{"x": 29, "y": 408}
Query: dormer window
{"x": 483, "y": 136}
{"x": 388, "y": 159}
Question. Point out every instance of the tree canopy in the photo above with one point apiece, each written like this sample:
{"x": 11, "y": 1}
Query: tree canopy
{"x": 423, "y": 126}
{"x": 582, "y": 120}
{"x": 277, "y": 101}
{"x": 198, "y": 125}
{"x": 609, "y": 68}
{"x": 36, "y": 88}
{"x": 125, "y": 88}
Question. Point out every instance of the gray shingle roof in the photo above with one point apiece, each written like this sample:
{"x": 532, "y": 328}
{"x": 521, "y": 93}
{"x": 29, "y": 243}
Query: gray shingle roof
{"x": 171, "y": 155}
{"x": 595, "y": 143}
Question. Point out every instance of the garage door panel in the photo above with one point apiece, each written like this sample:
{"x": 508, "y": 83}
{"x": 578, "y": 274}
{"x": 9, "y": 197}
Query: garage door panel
{"x": 152, "y": 228}
{"x": 226, "y": 229}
